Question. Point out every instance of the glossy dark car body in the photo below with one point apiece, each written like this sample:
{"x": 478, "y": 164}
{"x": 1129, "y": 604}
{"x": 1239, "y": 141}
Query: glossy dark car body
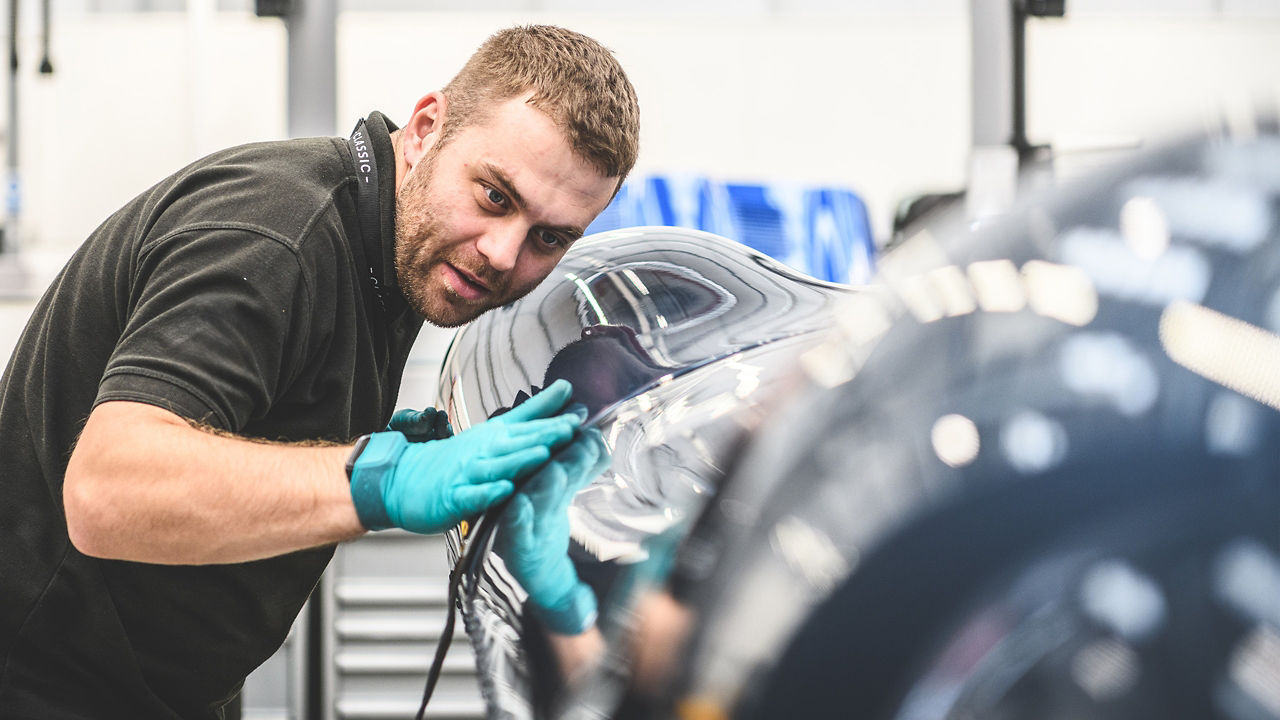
{"x": 1029, "y": 472}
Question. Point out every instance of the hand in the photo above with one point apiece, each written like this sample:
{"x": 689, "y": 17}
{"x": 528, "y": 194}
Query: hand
{"x": 533, "y": 537}
{"x": 422, "y": 425}
{"x": 431, "y": 486}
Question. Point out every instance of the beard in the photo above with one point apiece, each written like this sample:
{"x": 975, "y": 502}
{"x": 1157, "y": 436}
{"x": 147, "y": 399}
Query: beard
{"x": 422, "y": 248}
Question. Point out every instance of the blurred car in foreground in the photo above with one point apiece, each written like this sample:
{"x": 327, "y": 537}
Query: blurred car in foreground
{"x": 1028, "y": 472}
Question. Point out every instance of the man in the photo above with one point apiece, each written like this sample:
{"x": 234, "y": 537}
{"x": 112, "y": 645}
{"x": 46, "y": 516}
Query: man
{"x": 176, "y": 422}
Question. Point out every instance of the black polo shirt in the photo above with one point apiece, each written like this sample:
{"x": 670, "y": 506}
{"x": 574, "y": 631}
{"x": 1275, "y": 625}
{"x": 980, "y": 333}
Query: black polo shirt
{"x": 236, "y": 293}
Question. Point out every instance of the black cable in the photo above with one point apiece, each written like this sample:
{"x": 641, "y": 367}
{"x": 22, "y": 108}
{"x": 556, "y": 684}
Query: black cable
{"x": 468, "y": 567}
{"x": 446, "y": 639}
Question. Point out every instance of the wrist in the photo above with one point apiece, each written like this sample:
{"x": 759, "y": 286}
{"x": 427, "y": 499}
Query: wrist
{"x": 369, "y": 468}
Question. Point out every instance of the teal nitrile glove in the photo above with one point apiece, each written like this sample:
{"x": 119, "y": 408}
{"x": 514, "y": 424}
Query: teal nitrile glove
{"x": 422, "y": 425}
{"x": 431, "y": 486}
{"x": 533, "y": 537}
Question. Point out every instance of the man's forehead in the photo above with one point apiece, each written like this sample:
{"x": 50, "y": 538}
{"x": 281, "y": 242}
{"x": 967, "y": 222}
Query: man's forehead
{"x": 534, "y": 164}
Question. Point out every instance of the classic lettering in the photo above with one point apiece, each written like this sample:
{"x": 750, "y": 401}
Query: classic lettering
{"x": 362, "y": 154}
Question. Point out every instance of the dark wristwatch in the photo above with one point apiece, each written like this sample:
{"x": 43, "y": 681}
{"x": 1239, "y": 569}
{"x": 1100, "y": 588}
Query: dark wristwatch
{"x": 355, "y": 453}
{"x": 371, "y": 463}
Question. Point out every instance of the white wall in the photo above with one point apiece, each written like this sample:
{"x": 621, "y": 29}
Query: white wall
{"x": 132, "y": 99}
{"x": 878, "y": 101}
{"x": 1099, "y": 76}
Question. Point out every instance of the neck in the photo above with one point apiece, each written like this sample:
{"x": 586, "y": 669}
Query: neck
{"x": 401, "y": 169}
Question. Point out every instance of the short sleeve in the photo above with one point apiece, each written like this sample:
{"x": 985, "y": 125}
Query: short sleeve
{"x": 217, "y": 321}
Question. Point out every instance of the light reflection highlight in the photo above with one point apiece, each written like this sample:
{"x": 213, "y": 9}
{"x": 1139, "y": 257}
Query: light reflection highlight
{"x": 1033, "y": 442}
{"x": 920, "y": 302}
{"x": 998, "y": 286}
{"x": 1144, "y": 227}
{"x": 955, "y": 440}
{"x": 810, "y": 552}
{"x": 952, "y": 290}
{"x": 1178, "y": 273}
{"x": 1222, "y": 213}
{"x": 1107, "y": 365}
{"x": 589, "y": 296}
{"x": 635, "y": 280}
{"x": 1255, "y": 668}
{"x": 1247, "y": 578}
{"x": 1228, "y": 351}
{"x": 1233, "y": 425}
{"x": 1060, "y": 292}
{"x": 1105, "y": 669}
{"x": 1121, "y": 598}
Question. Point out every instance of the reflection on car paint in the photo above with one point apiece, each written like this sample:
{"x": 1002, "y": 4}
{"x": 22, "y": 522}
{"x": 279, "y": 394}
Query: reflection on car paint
{"x": 670, "y": 337}
{"x": 1027, "y": 472}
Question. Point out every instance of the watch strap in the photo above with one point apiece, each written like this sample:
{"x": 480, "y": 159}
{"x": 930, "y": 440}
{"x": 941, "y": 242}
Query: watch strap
{"x": 371, "y": 465}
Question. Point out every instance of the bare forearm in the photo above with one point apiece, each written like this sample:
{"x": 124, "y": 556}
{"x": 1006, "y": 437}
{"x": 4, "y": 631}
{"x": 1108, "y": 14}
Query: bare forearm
{"x": 144, "y": 485}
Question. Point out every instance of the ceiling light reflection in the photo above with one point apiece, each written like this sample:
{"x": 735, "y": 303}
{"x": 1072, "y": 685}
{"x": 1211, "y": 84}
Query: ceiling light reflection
{"x": 952, "y": 290}
{"x": 1223, "y": 349}
{"x": 1247, "y": 578}
{"x": 1227, "y": 214}
{"x": 1060, "y": 292}
{"x": 997, "y": 285}
{"x": 1179, "y": 273}
{"x": 918, "y": 298}
{"x": 635, "y": 280}
{"x": 1122, "y": 599}
{"x": 1233, "y": 425}
{"x": 904, "y": 271}
{"x": 589, "y": 296}
{"x": 1107, "y": 365}
{"x": 955, "y": 440}
{"x": 1033, "y": 442}
{"x": 1144, "y": 227}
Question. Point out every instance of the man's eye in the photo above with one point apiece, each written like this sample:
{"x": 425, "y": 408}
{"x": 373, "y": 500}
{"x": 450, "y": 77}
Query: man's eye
{"x": 495, "y": 197}
{"x": 552, "y": 240}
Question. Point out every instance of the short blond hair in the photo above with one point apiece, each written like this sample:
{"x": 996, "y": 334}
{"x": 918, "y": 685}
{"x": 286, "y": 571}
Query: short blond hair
{"x": 575, "y": 80}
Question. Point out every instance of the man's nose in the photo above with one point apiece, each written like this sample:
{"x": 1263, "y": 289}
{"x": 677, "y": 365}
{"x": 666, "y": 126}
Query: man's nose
{"x": 501, "y": 246}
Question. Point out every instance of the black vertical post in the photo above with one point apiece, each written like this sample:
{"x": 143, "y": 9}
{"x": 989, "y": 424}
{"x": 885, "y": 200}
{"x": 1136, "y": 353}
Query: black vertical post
{"x": 314, "y": 676}
{"x": 1019, "y": 140}
{"x": 46, "y": 64}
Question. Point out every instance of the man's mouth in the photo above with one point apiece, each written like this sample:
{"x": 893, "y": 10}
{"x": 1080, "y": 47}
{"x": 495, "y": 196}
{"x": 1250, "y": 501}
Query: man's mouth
{"x": 464, "y": 283}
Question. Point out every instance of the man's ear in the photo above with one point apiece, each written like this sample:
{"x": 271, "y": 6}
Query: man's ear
{"x": 424, "y": 127}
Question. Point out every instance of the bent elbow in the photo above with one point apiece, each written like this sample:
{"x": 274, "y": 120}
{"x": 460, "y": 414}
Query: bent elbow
{"x": 87, "y": 511}
{"x": 98, "y": 499}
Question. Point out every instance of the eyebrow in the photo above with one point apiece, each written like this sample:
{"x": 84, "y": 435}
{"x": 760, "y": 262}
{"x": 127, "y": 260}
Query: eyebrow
{"x": 500, "y": 178}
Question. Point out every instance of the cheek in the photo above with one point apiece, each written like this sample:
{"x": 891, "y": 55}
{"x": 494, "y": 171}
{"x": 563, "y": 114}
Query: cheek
{"x": 531, "y": 273}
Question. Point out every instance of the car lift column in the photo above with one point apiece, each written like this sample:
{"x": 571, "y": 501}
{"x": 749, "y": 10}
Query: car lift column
{"x": 312, "y": 99}
{"x": 1001, "y": 149}
{"x": 311, "y": 111}
{"x": 313, "y": 67}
